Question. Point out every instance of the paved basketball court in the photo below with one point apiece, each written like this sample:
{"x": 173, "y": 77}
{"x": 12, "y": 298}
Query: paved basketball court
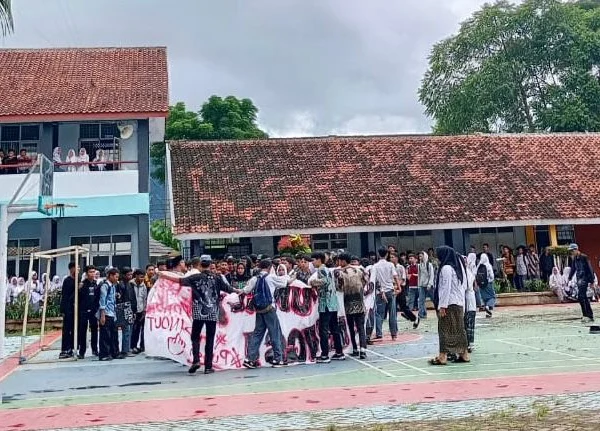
{"x": 521, "y": 352}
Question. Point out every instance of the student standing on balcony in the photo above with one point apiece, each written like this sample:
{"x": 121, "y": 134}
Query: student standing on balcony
{"x": 72, "y": 160}
{"x": 83, "y": 160}
{"x": 10, "y": 159}
{"x": 24, "y": 159}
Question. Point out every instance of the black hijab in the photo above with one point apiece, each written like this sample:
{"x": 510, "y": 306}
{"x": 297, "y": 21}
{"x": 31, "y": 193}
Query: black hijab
{"x": 447, "y": 256}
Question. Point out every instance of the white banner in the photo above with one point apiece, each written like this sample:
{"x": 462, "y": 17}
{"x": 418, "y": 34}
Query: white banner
{"x": 168, "y": 328}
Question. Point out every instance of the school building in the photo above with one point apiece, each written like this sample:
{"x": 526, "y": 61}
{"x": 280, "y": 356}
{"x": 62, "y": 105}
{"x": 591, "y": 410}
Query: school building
{"x": 94, "y": 112}
{"x": 360, "y": 192}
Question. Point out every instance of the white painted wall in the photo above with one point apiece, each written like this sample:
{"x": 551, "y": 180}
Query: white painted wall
{"x": 156, "y": 129}
{"x": 74, "y": 184}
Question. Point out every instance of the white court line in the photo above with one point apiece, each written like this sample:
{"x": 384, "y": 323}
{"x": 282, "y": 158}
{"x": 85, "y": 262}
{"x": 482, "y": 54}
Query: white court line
{"x": 366, "y": 364}
{"x": 541, "y": 350}
{"x": 501, "y": 370}
{"x": 399, "y": 362}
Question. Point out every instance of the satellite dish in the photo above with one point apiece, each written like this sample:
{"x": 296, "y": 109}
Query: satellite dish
{"x": 125, "y": 131}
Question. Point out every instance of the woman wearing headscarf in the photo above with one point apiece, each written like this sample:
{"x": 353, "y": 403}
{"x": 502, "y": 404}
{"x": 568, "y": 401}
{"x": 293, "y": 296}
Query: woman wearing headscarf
{"x": 57, "y": 158}
{"x": 570, "y": 286}
{"x": 241, "y": 276}
{"x": 55, "y": 284}
{"x": 13, "y": 288}
{"x": 100, "y": 157}
{"x": 36, "y": 290}
{"x": 83, "y": 159}
{"x": 508, "y": 264}
{"x": 72, "y": 159}
{"x": 20, "y": 286}
{"x": 484, "y": 277}
{"x": 556, "y": 283}
{"x": 470, "y": 302}
{"x": 449, "y": 299}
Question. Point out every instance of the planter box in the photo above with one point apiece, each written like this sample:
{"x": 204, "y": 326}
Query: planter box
{"x": 516, "y": 299}
{"x": 51, "y": 323}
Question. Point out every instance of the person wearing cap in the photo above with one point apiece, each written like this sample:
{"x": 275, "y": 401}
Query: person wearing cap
{"x": 582, "y": 269}
{"x": 206, "y": 291}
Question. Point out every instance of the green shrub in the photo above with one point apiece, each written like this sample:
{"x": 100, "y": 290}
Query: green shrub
{"x": 16, "y": 310}
{"x": 536, "y": 286}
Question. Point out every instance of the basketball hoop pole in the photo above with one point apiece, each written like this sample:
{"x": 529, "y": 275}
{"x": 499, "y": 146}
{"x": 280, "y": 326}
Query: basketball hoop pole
{"x": 8, "y": 214}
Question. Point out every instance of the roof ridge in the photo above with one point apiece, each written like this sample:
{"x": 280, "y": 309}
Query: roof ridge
{"x": 80, "y": 48}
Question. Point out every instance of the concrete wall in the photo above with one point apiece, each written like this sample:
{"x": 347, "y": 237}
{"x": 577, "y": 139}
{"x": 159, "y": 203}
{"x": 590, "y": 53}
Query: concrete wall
{"x": 95, "y": 226}
{"x": 588, "y": 239}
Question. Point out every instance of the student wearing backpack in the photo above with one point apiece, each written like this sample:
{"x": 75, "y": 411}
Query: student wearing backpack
{"x": 351, "y": 281}
{"x": 328, "y": 310}
{"x": 484, "y": 277}
{"x": 264, "y": 285}
{"x": 109, "y": 337}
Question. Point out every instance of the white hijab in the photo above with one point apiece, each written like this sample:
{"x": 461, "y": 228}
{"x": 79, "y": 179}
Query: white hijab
{"x": 100, "y": 157}
{"x": 56, "y": 155}
{"x": 472, "y": 263}
{"x": 71, "y": 158}
{"x": 83, "y": 158}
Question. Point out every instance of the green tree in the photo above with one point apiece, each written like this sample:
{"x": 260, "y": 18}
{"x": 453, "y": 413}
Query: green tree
{"x": 161, "y": 231}
{"x": 218, "y": 119}
{"x": 518, "y": 68}
{"x": 6, "y": 18}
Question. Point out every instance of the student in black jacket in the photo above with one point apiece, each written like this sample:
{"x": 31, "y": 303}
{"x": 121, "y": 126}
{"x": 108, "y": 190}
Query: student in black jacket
{"x": 89, "y": 296}
{"x": 582, "y": 268}
{"x": 125, "y": 294}
{"x": 67, "y": 309}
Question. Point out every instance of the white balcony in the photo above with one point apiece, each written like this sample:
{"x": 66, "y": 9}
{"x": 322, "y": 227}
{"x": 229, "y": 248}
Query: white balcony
{"x": 74, "y": 184}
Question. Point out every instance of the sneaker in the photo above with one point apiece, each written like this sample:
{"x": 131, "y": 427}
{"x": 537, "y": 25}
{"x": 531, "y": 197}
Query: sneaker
{"x": 122, "y": 355}
{"x": 586, "y": 320}
{"x": 135, "y": 351}
{"x": 209, "y": 371}
{"x": 488, "y": 312}
{"x": 64, "y": 355}
{"x": 80, "y": 357}
{"x": 470, "y": 348}
{"x": 95, "y": 352}
{"x": 194, "y": 368}
{"x": 323, "y": 360}
{"x": 370, "y": 342}
{"x": 106, "y": 359}
{"x": 363, "y": 355}
{"x": 250, "y": 364}
{"x": 416, "y": 323}
{"x": 339, "y": 357}
{"x": 394, "y": 337}
{"x": 278, "y": 364}
{"x": 355, "y": 353}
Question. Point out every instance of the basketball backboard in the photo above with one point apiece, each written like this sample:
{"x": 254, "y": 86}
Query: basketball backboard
{"x": 46, "y": 177}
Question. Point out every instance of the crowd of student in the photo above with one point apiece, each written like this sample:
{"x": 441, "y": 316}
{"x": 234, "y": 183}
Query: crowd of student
{"x": 11, "y": 163}
{"x": 457, "y": 285}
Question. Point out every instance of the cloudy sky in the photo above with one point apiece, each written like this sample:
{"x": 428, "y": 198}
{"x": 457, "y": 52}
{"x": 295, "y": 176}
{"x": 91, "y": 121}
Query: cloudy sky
{"x": 313, "y": 67}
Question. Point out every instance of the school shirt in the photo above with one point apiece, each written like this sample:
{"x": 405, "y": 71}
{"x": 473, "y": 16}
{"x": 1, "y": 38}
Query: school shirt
{"x": 273, "y": 281}
{"x": 450, "y": 290}
{"x": 413, "y": 276}
{"x": 382, "y": 275}
{"x": 108, "y": 299}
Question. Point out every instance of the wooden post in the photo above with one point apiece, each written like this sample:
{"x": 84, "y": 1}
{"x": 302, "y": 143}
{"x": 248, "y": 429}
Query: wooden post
{"x": 47, "y": 281}
{"x": 76, "y": 317}
{"x": 553, "y": 237}
{"x": 27, "y": 299}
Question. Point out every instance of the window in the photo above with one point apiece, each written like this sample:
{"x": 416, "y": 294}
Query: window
{"x": 329, "y": 241}
{"x": 106, "y": 250}
{"x": 19, "y": 254}
{"x": 19, "y": 137}
{"x": 96, "y": 136}
{"x": 408, "y": 240}
{"x": 565, "y": 234}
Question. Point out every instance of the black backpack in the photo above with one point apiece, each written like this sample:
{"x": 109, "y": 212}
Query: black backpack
{"x": 481, "y": 276}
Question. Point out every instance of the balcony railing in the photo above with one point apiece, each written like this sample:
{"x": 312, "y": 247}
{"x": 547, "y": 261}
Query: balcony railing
{"x": 23, "y": 168}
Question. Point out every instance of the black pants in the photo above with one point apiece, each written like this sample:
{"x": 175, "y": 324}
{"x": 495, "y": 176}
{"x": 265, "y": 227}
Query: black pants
{"x": 68, "y": 333}
{"x": 584, "y": 301}
{"x": 138, "y": 331}
{"x": 328, "y": 323}
{"x": 358, "y": 321}
{"x": 87, "y": 318}
{"x": 404, "y": 308}
{"x": 109, "y": 339}
{"x": 211, "y": 329}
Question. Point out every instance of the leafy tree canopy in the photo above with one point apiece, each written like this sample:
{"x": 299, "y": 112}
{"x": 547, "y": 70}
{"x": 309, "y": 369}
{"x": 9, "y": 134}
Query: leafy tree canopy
{"x": 218, "y": 119}
{"x": 533, "y": 66}
{"x": 6, "y": 17}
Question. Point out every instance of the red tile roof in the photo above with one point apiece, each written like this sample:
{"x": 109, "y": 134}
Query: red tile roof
{"x": 74, "y": 81}
{"x": 382, "y": 182}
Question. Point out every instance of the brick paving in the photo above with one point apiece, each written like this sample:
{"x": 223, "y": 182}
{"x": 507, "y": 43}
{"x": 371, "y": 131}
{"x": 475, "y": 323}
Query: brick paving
{"x": 516, "y": 413}
{"x": 13, "y": 344}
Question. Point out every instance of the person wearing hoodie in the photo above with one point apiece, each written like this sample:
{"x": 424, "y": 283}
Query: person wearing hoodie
{"x": 425, "y": 282}
{"x": 484, "y": 278}
{"x": 583, "y": 272}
